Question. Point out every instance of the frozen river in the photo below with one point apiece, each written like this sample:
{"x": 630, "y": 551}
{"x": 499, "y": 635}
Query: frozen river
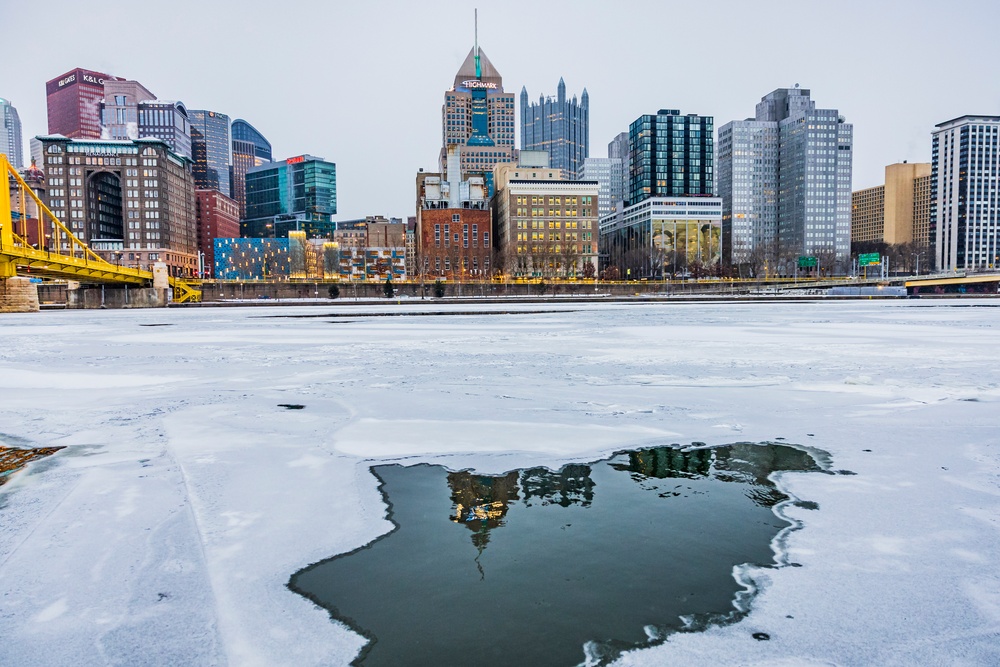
{"x": 167, "y": 530}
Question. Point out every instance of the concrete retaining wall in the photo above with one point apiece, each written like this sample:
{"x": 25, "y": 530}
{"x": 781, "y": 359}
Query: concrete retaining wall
{"x": 116, "y": 297}
{"x": 216, "y": 292}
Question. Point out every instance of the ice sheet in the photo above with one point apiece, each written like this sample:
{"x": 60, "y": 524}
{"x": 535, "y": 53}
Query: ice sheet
{"x": 167, "y": 529}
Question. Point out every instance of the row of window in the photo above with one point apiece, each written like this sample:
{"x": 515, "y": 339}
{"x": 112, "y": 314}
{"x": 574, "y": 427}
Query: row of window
{"x": 465, "y": 264}
{"x": 554, "y": 250}
{"x": 450, "y": 237}
{"x": 555, "y": 237}
{"x": 554, "y": 224}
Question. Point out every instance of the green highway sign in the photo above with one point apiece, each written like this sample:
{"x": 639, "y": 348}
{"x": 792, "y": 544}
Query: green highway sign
{"x": 808, "y": 262}
{"x": 869, "y": 259}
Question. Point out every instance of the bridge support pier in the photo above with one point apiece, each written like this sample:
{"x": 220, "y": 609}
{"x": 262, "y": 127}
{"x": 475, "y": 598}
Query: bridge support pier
{"x": 18, "y": 295}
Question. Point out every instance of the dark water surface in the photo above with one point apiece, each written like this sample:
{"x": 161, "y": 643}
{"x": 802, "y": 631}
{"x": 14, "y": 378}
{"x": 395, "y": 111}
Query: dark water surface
{"x": 531, "y": 567}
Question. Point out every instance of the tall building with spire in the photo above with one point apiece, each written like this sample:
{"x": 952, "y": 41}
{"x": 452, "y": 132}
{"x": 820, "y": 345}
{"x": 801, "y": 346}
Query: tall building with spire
{"x": 478, "y": 117}
{"x": 559, "y": 126}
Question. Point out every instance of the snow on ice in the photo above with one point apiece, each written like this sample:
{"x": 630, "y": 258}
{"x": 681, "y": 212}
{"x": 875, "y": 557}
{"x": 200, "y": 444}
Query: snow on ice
{"x": 185, "y": 498}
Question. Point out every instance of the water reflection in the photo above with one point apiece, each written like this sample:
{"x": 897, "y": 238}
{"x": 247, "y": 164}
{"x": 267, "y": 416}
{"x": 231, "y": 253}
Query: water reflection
{"x": 480, "y": 504}
{"x": 742, "y": 463}
{"x": 584, "y": 555}
{"x": 570, "y": 485}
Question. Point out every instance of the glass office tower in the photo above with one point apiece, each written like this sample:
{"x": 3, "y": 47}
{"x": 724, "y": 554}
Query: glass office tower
{"x": 671, "y": 156}
{"x": 210, "y": 147}
{"x": 298, "y": 194}
{"x": 250, "y": 149}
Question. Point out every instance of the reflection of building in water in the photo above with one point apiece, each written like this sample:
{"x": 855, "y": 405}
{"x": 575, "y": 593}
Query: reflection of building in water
{"x": 666, "y": 462}
{"x": 744, "y": 463}
{"x": 12, "y": 459}
{"x": 571, "y": 485}
{"x": 481, "y": 502}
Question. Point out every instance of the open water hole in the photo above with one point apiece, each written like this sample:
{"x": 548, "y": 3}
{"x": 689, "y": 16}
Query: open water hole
{"x": 542, "y": 567}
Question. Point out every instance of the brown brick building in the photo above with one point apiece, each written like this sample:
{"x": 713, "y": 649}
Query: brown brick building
{"x": 131, "y": 201}
{"x": 454, "y": 225}
{"x": 455, "y": 243}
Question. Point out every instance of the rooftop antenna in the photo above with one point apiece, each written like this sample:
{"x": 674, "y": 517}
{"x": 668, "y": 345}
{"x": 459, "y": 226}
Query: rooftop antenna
{"x": 479, "y": 73}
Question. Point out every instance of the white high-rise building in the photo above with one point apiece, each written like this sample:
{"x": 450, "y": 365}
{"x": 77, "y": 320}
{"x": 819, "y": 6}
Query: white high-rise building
{"x": 785, "y": 182}
{"x": 748, "y": 184}
{"x": 608, "y": 174}
{"x": 10, "y": 134}
{"x": 965, "y": 180}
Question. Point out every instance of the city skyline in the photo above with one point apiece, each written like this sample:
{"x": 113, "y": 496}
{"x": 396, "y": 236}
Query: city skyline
{"x": 893, "y": 115}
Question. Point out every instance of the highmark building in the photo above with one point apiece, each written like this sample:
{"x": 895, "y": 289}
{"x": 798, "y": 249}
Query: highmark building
{"x": 297, "y": 194}
{"x": 478, "y": 118}
{"x": 671, "y": 223}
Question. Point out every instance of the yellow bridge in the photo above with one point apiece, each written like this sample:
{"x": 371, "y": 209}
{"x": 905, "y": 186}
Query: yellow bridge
{"x": 63, "y": 255}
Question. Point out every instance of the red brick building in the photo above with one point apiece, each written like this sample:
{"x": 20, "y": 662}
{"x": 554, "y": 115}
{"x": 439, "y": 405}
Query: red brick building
{"x": 218, "y": 217}
{"x": 74, "y": 103}
{"x": 455, "y": 243}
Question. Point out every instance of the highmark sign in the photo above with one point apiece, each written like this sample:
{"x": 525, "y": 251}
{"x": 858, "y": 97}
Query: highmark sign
{"x": 476, "y": 83}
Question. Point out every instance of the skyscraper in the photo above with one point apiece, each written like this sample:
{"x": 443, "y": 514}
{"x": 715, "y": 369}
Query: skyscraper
{"x": 10, "y": 134}
{"x": 250, "y": 149}
{"x": 785, "y": 181}
{"x": 478, "y": 117}
{"x": 297, "y": 194}
{"x": 671, "y": 156}
{"x": 670, "y": 223}
{"x": 74, "y": 101}
{"x": 210, "y": 148}
{"x": 965, "y": 178}
{"x": 558, "y": 126}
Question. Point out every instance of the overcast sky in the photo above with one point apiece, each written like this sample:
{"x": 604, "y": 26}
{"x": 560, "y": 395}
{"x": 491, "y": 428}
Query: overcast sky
{"x": 362, "y": 83}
